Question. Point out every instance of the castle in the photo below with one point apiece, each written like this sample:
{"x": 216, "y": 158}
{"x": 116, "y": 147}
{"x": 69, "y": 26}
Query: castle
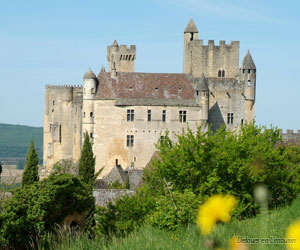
{"x": 125, "y": 112}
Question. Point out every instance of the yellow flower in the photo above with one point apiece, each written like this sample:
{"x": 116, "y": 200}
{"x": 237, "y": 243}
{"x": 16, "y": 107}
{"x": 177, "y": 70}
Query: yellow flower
{"x": 216, "y": 208}
{"x": 293, "y": 232}
{"x": 235, "y": 245}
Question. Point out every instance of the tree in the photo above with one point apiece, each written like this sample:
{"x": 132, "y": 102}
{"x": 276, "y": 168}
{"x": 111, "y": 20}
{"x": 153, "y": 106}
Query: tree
{"x": 86, "y": 166}
{"x": 0, "y": 171}
{"x": 31, "y": 173}
{"x": 86, "y": 173}
{"x": 35, "y": 210}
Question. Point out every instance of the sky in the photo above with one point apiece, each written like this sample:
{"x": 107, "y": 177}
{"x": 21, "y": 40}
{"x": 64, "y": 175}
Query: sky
{"x": 55, "y": 42}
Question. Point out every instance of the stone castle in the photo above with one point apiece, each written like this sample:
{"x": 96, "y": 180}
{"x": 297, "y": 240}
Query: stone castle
{"x": 125, "y": 112}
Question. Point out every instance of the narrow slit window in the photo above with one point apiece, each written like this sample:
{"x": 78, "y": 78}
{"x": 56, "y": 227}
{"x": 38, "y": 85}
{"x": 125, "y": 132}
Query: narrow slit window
{"x": 91, "y": 114}
{"x": 60, "y": 135}
{"x": 164, "y": 115}
{"x": 249, "y": 83}
{"x": 149, "y": 116}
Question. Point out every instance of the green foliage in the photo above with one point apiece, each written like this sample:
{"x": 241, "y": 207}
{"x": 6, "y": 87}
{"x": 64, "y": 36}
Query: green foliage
{"x": 118, "y": 185}
{"x": 174, "y": 210}
{"x": 228, "y": 162}
{"x": 31, "y": 173}
{"x": 86, "y": 172}
{"x": 0, "y": 171}
{"x": 125, "y": 215}
{"x": 86, "y": 166}
{"x": 34, "y": 210}
{"x": 14, "y": 141}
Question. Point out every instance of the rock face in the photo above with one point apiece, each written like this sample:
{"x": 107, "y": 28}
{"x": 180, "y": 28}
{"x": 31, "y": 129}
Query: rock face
{"x": 125, "y": 112}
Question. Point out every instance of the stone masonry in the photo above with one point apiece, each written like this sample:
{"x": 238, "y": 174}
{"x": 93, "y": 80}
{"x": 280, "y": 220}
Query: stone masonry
{"x": 125, "y": 112}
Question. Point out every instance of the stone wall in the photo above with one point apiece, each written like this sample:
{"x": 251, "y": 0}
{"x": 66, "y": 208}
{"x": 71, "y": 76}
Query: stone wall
{"x": 62, "y": 124}
{"x": 111, "y": 130}
{"x": 291, "y": 136}
{"x": 104, "y": 196}
{"x": 209, "y": 59}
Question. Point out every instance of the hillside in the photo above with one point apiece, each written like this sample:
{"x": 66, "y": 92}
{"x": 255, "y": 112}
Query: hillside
{"x": 15, "y": 140}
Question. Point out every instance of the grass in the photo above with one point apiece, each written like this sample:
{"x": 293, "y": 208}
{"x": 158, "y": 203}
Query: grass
{"x": 270, "y": 225}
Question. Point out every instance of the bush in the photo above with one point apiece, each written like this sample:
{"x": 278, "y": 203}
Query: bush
{"x": 174, "y": 210}
{"x": 125, "y": 215}
{"x": 228, "y": 162}
{"x": 34, "y": 210}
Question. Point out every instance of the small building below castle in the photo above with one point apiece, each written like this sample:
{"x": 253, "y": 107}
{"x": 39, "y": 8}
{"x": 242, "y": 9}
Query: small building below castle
{"x": 125, "y": 112}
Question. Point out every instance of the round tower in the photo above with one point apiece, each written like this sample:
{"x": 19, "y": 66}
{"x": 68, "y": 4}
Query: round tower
{"x": 202, "y": 97}
{"x": 89, "y": 93}
{"x": 190, "y": 34}
{"x": 248, "y": 77}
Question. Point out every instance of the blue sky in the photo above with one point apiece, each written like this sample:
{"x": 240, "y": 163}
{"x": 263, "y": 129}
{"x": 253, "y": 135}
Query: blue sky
{"x": 55, "y": 42}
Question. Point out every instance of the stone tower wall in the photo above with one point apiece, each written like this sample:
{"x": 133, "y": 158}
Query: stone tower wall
{"x": 62, "y": 124}
{"x": 209, "y": 59}
{"x": 122, "y": 56}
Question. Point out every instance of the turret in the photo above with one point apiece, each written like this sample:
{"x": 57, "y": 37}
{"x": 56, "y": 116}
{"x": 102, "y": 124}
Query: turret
{"x": 248, "y": 77}
{"x": 89, "y": 85}
{"x": 89, "y": 93}
{"x": 121, "y": 57}
{"x": 202, "y": 97}
{"x": 190, "y": 34}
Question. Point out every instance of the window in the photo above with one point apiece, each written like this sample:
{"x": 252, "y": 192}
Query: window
{"x": 249, "y": 71}
{"x": 60, "y": 135}
{"x": 219, "y": 73}
{"x": 130, "y": 139}
{"x": 162, "y": 138}
{"x": 92, "y": 91}
{"x": 182, "y": 116}
{"x": 229, "y": 118}
{"x": 249, "y": 83}
{"x": 242, "y": 121}
{"x": 243, "y": 71}
{"x": 130, "y": 115}
{"x": 223, "y": 73}
{"x": 91, "y": 114}
{"x": 164, "y": 115}
{"x": 53, "y": 102}
{"x": 91, "y": 135}
{"x": 149, "y": 115}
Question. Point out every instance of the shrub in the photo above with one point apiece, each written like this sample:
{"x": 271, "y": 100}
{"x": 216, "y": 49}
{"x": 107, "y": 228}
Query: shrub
{"x": 228, "y": 162}
{"x": 35, "y": 209}
{"x": 125, "y": 215}
{"x": 174, "y": 210}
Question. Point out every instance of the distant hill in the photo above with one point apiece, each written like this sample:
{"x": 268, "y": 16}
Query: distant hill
{"x": 15, "y": 140}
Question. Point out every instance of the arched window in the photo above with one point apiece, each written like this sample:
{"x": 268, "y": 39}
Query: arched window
{"x": 219, "y": 73}
{"x": 91, "y": 114}
{"x": 223, "y": 73}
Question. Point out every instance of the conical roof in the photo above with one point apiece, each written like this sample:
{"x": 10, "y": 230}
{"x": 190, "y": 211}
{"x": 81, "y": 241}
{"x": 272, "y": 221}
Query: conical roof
{"x": 248, "y": 62}
{"x": 115, "y": 44}
{"x": 201, "y": 83}
{"x": 89, "y": 75}
{"x": 191, "y": 27}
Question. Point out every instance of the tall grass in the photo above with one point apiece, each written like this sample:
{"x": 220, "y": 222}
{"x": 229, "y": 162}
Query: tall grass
{"x": 274, "y": 225}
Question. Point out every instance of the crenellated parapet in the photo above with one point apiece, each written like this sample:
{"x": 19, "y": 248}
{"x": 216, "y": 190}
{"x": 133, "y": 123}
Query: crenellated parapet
{"x": 291, "y": 136}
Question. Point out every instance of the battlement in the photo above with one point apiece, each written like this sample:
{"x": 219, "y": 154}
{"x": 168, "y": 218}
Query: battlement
{"x": 53, "y": 87}
{"x": 290, "y": 136}
{"x": 211, "y": 43}
{"x": 121, "y": 58}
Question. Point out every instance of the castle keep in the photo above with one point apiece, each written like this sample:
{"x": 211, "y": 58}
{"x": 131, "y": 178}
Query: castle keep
{"x": 125, "y": 112}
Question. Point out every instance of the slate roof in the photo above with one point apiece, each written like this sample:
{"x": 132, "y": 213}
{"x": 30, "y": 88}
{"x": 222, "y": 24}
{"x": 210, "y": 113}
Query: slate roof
{"x": 149, "y": 87}
{"x": 191, "y": 27}
{"x": 248, "y": 62}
